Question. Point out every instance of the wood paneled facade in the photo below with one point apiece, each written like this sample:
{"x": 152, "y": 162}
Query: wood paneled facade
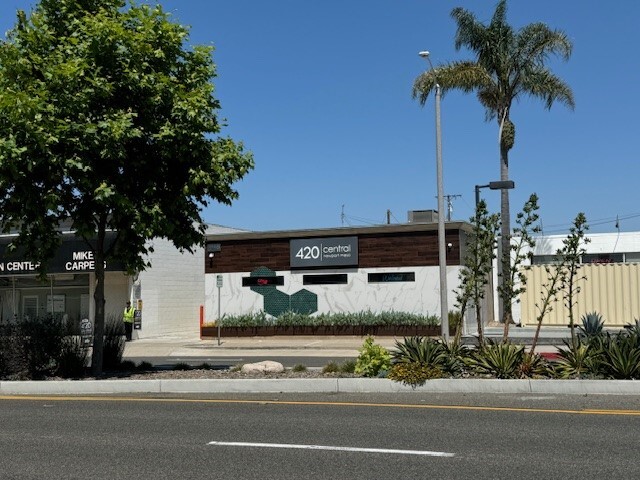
{"x": 414, "y": 245}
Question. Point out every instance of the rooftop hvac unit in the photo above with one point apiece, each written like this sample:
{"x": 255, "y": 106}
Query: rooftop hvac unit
{"x": 423, "y": 216}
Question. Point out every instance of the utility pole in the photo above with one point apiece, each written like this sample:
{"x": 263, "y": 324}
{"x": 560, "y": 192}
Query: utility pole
{"x": 450, "y": 204}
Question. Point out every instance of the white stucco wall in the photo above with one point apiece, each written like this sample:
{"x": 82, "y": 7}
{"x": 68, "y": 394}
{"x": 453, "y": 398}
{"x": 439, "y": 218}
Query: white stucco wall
{"x": 116, "y": 293}
{"x": 171, "y": 290}
{"x": 420, "y": 297}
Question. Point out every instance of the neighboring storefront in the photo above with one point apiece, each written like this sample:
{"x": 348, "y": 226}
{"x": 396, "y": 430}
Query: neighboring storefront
{"x": 168, "y": 294}
{"x": 381, "y": 268}
{"x": 67, "y": 288}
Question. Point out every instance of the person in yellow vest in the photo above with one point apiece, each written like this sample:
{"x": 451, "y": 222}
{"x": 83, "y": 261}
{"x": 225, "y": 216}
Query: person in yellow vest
{"x": 127, "y": 319}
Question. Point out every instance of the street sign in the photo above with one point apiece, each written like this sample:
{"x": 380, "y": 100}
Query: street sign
{"x": 86, "y": 332}
{"x": 219, "y": 281}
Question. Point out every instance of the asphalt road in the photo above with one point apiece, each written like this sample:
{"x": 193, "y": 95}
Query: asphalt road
{"x": 268, "y": 437}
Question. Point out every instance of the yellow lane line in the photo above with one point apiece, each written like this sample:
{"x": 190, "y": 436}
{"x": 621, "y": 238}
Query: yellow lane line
{"x": 317, "y": 403}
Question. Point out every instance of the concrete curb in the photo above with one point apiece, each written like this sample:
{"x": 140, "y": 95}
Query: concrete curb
{"x": 321, "y": 385}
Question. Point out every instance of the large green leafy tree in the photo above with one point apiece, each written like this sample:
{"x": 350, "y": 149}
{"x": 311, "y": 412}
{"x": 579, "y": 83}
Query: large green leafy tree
{"x": 108, "y": 121}
{"x": 508, "y": 65}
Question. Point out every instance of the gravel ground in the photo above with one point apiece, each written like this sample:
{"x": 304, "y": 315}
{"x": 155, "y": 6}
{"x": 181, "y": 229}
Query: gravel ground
{"x": 199, "y": 374}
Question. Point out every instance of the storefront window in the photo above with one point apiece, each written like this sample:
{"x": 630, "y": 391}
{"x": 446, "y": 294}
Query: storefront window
{"x": 63, "y": 295}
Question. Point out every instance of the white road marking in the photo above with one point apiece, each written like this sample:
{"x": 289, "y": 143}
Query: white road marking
{"x": 332, "y": 448}
{"x": 537, "y": 398}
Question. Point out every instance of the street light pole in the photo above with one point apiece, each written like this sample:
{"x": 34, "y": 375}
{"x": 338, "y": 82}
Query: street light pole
{"x": 499, "y": 185}
{"x": 442, "y": 252}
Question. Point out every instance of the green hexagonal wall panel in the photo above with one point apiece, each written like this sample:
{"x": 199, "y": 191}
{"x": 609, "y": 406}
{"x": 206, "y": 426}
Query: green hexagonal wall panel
{"x": 276, "y": 302}
{"x": 304, "y": 301}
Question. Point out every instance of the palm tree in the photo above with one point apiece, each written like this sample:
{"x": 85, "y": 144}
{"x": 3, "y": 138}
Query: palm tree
{"x": 509, "y": 64}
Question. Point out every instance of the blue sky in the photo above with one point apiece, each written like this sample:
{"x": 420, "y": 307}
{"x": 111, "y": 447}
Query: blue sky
{"x": 320, "y": 92}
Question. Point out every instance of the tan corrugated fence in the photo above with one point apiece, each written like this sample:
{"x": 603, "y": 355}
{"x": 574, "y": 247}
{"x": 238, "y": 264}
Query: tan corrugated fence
{"x": 612, "y": 290}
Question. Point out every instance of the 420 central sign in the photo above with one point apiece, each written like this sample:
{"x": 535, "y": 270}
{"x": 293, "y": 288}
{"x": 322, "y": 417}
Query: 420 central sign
{"x": 323, "y": 252}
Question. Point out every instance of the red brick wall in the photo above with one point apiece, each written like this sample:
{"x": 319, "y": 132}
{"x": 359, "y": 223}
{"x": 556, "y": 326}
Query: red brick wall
{"x": 374, "y": 251}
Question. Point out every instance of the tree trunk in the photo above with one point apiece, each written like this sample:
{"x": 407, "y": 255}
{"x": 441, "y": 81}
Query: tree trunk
{"x": 570, "y": 291}
{"x": 480, "y": 327}
{"x": 505, "y": 237}
{"x": 98, "y": 297}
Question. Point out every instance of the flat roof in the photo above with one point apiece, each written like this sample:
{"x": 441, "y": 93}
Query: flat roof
{"x": 338, "y": 231}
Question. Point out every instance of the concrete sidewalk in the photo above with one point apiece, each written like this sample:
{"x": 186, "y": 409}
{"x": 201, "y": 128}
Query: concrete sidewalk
{"x": 301, "y": 345}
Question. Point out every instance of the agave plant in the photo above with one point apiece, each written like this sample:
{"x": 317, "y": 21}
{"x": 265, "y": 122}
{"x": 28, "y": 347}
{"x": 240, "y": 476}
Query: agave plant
{"x": 454, "y": 358}
{"x": 578, "y": 360}
{"x": 418, "y": 350}
{"x": 621, "y": 358}
{"x": 633, "y": 327}
{"x": 632, "y": 331}
{"x": 500, "y": 360}
{"x": 534, "y": 365}
{"x": 592, "y": 326}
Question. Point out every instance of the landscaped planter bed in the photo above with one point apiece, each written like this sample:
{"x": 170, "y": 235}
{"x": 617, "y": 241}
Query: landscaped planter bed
{"x": 362, "y": 330}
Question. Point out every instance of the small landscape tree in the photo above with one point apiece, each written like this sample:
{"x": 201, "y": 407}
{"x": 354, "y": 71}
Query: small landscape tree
{"x": 474, "y": 275}
{"x": 562, "y": 277}
{"x": 514, "y": 284}
{"x": 550, "y": 290}
{"x": 570, "y": 254}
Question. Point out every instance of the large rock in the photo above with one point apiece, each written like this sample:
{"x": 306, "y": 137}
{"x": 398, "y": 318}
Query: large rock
{"x": 267, "y": 366}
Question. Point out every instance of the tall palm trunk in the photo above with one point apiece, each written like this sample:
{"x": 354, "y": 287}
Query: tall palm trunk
{"x": 506, "y": 140}
{"x": 505, "y": 232}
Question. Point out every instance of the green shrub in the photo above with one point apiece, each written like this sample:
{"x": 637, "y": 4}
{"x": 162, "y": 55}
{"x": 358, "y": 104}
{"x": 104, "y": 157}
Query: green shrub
{"x": 417, "y": 349}
{"x": 454, "y": 358}
{"x": 12, "y": 359}
{"x": 258, "y": 319}
{"x": 455, "y": 319}
{"x": 144, "y": 367}
{"x": 577, "y": 361}
{"x": 365, "y": 318}
{"x": 620, "y": 358}
{"x": 500, "y": 360}
{"x": 41, "y": 339}
{"x": 534, "y": 366}
{"x": 592, "y": 325}
{"x": 348, "y": 366}
{"x": 292, "y": 319}
{"x": 331, "y": 367}
{"x": 127, "y": 366}
{"x": 73, "y": 358}
{"x": 299, "y": 368}
{"x": 373, "y": 359}
{"x": 632, "y": 331}
{"x": 182, "y": 366}
{"x": 414, "y": 374}
{"x": 114, "y": 342}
